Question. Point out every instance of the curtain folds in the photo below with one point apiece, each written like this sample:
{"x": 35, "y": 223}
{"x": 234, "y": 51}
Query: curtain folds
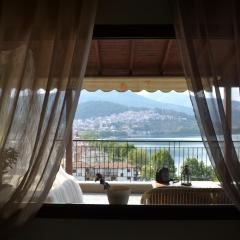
{"x": 44, "y": 48}
{"x": 208, "y": 34}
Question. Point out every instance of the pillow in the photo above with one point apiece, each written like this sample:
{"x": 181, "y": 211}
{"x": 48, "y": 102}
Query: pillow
{"x": 65, "y": 189}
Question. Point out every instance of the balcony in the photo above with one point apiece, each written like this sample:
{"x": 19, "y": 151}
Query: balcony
{"x": 138, "y": 160}
{"x": 134, "y": 163}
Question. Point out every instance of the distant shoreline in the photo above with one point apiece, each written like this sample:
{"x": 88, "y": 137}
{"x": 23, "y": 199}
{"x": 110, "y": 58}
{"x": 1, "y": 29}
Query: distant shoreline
{"x": 196, "y": 138}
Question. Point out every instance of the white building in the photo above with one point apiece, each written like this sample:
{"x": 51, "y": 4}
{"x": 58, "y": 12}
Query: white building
{"x": 112, "y": 171}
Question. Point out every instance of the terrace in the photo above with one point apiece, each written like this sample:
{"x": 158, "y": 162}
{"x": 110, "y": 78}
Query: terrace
{"x": 138, "y": 160}
{"x": 134, "y": 163}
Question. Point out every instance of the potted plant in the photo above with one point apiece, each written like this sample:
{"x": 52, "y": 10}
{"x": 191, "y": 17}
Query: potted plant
{"x": 8, "y": 158}
{"x": 115, "y": 194}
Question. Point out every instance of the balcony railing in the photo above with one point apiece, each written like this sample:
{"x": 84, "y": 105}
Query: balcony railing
{"x": 138, "y": 160}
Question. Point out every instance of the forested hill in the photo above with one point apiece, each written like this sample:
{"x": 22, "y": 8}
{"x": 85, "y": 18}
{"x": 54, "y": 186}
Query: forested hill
{"x": 130, "y": 115}
{"x": 130, "y": 99}
{"x": 95, "y": 109}
{"x": 116, "y": 120}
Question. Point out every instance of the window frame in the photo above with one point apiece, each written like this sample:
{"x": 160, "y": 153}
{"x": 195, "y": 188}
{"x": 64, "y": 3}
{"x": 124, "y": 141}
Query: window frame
{"x": 138, "y": 212}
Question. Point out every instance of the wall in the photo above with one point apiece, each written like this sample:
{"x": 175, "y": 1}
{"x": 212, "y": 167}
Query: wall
{"x": 67, "y": 229}
{"x": 134, "y": 12}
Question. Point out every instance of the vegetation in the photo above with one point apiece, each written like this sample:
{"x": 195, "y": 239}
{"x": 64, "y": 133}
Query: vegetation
{"x": 113, "y": 134}
{"x": 115, "y": 151}
{"x": 171, "y": 123}
{"x": 126, "y": 152}
{"x": 138, "y": 157}
{"x": 99, "y": 177}
{"x": 199, "y": 171}
{"x": 93, "y": 109}
{"x": 88, "y": 135}
{"x": 161, "y": 158}
{"x": 8, "y": 158}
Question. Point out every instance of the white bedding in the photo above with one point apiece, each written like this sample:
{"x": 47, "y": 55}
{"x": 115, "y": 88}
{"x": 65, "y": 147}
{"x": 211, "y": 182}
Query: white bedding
{"x": 65, "y": 189}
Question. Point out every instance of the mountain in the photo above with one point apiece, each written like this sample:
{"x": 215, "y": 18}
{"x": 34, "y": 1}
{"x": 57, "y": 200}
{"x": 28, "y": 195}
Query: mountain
{"x": 109, "y": 120}
{"x": 131, "y": 99}
{"x": 93, "y": 109}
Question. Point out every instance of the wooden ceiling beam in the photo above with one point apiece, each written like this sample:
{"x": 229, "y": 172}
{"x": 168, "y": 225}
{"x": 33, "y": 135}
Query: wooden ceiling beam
{"x": 98, "y": 57}
{"x": 135, "y": 83}
{"x": 131, "y": 56}
{"x": 165, "y": 56}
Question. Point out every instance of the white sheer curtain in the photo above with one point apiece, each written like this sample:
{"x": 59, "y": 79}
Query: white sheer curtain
{"x": 208, "y": 33}
{"x": 44, "y": 47}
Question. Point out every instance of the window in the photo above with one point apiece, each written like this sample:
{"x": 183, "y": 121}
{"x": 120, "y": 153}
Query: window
{"x": 136, "y": 160}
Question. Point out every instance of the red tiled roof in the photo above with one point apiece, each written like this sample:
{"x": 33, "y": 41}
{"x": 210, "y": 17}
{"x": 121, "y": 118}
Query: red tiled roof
{"x": 109, "y": 165}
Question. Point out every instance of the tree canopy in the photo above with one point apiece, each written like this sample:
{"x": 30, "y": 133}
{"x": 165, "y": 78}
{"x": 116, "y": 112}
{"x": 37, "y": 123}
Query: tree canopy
{"x": 199, "y": 171}
{"x": 162, "y": 158}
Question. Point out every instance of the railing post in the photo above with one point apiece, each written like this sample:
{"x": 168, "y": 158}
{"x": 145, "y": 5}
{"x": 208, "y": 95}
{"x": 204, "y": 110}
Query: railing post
{"x": 69, "y": 158}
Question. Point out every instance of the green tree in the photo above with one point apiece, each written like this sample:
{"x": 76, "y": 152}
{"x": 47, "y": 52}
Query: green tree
{"x": 138, "y": 157}
{"x": 199, "y": 171}
{"x": 161, "y": 158}
{"x": 89, "y": 135}
{"x": 125, "y": 149}
{"x": 147, "y": 172}
{"x": 116, "y": 151}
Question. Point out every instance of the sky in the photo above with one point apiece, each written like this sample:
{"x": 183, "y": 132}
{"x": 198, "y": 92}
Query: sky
{"x": 182, "y": 98}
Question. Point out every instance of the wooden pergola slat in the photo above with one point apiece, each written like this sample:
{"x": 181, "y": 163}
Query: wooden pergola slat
{"x": 135, "y": 84}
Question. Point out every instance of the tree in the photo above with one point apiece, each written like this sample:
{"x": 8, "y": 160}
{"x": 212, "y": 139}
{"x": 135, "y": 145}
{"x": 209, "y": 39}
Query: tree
{"x": 125, "y": 149}
{"x": 199, "y": 171}
{"x": 89, "y": 135}
{"x": 116, "y": 151}
{"x": 147, "y": 172}
{"x": 138, "y": 157}
{"x": 161, "y": 158}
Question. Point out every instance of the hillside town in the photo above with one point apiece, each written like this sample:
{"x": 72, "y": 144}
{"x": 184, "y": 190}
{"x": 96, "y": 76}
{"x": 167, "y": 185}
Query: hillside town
{"x": 131, "y": 122}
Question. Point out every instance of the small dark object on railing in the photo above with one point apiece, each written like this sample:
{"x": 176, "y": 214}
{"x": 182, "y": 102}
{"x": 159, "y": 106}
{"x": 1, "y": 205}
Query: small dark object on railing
{"x": 100, "y": 178}
{"x": 186, "y": 176}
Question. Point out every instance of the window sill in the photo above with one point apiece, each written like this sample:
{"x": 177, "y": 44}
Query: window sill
{"x": 143, "y": 212}
{"x": 96, "y": 187}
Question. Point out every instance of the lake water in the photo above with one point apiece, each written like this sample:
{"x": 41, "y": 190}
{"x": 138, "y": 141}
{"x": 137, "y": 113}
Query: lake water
{"x": 179, "y": 148}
